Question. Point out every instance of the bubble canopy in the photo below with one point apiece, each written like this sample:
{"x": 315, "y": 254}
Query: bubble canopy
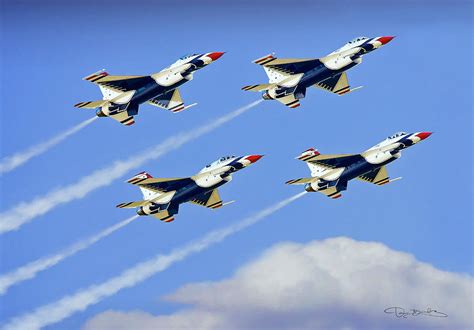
{"x": 358, "y": 39}
{"x": 220, "y": 160}
{"x": 184, "y": 57}
{"x": 398, "y": 134}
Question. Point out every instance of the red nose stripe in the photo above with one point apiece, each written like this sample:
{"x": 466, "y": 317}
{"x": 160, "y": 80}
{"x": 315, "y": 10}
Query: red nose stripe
{"x": 253, "y": 158}
{"x": 214, "y": 56}
{"x": 385, "y": 40}
{"x": 423, "y": 135}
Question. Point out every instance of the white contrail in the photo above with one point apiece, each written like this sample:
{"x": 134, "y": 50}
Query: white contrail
{"x": 9, "y": 163}
{"x": 30, "y": 270}
{"x": 69, "y": 305}
{"x": 24, "y": 212}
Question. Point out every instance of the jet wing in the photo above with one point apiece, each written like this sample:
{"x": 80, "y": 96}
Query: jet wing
{"x": 131, "y": 205}
{"x": 333, "y": 161}
{"x": 210, "y": 199}
{"x": 161, "y": 184}
{"x": 378, "y": 176}
{"x": 171, "y": 101}
{"x": 119, "y": 83}
{"x": 288, "y": 66}
{"x": 301, "y": 180}
{"x": 337, "y": 84}
{"x": 91, "y": 104}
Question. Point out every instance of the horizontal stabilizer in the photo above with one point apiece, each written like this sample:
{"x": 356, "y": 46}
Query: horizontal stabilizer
{"x": 289, "y": 100}
{"x": 301, "y": 180}
{"x": 164, "y": 216}
{"x": 91, "y": 104}
{"x": 131, "y": 205}
{"x": 258, "y": 88}
{"x": 332, "y": 192}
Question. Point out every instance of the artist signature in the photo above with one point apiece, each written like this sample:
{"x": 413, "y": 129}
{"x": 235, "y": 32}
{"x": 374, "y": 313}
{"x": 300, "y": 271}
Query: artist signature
{"x": 401, "y": 312}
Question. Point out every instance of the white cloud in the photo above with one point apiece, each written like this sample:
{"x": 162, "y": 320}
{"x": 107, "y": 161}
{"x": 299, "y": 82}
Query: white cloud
{"x": 337, "y": 283}
{"x": 69, "y": 305}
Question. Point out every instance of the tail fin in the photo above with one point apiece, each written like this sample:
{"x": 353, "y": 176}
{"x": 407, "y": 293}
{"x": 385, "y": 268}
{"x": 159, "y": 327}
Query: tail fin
{"x": 274, "y": 75}
{"x": 147, "y": 194}
{"x": 258, "y": 88}
{"x": 308, "y": 154}
{"x": 265, "y": 59}
{"x": 139, "y": 177}
{"x": 96, "y": 75}
{"x": 107, "y": 93}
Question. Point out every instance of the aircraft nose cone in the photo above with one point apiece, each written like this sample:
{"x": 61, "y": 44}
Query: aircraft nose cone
{"x": 253, "y": 158}
{"x": 216, "y": 55}
{"x": 424, "y": 135}
{"x": 385, "y": 40}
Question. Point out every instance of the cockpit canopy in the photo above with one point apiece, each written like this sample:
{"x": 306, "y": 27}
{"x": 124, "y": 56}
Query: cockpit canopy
{"x": 182, "y": 60}
{"x": 396, "y": 135}
{"x": 351, "y": 44}
{"x": 185, "y": 57}
{"x": 358, "y": 40}
{"x": 219, "y": 162}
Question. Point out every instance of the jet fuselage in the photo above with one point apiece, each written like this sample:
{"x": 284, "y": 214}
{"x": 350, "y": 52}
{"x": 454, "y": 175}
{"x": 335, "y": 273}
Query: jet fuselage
{"x": 316, "y": 74}
{"x": 335, "y": 171}
{"x": 196, "y": 188}
{"x": 152, "y": 90}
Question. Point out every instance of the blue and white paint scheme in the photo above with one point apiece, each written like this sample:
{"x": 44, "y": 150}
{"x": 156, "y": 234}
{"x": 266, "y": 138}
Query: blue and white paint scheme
{"x": 290, "y": 77}
{"x": 162, "y": 196}
{"x": 122, "y": 95}
{"x": 331, "y": 173}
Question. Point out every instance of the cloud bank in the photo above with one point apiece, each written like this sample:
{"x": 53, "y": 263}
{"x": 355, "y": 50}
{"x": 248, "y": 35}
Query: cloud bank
{"x": 69, "y": 305}
{"x": 337, "y": 283}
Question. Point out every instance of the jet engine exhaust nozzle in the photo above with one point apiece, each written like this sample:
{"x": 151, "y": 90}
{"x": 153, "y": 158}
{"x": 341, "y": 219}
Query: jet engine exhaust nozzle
{"x": 100, "y": 113}
{"x": 308, "y": 188}
{"x": 140, "y": 211}
{"x": 266, "y": 96}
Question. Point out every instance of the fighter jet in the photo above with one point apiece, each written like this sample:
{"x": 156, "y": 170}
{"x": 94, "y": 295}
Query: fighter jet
{"x": 290, "y": 77}
{"x": 122, "y": 95}
{"x": 330, "y": 173}
{"x": 162, "y": 197}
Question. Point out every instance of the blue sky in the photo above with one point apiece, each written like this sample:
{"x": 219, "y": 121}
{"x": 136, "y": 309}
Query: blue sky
{"x": 421, "y": 81}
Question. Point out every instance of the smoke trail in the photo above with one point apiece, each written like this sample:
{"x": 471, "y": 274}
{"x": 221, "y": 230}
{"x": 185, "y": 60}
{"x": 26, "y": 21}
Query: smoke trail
{"x": 9, "y": 163}
{"x": 24, "y": 212}
{"x": 30, "y": 270}
{"x": 69, "y": 305}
